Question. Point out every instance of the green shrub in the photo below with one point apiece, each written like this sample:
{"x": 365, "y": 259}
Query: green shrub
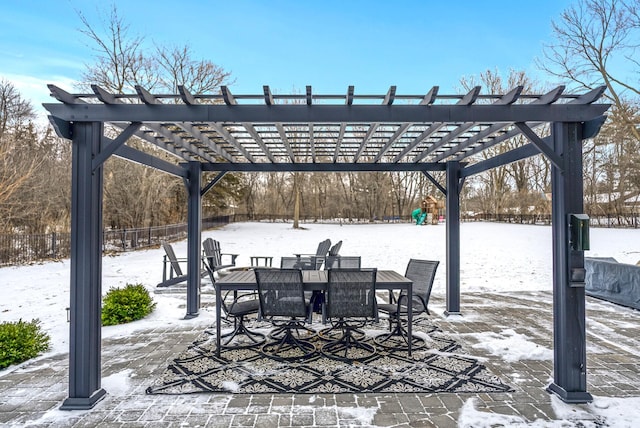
{"x": 123, "y": 305}
{"x": 21, "y": 341}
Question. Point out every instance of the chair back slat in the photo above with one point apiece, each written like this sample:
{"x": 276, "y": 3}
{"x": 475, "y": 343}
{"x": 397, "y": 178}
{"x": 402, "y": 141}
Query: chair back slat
{"x": 281, "y": 292}
{"x": 323, "y": 247}
{"x": 351, "y": 293}
{"x": 212, "y": 277}
{"x": 211, "y": 249}
{"x": 335, "y": 249}
{"x": 422, "y": 273}
{"x": 321, "y": 254}
{"x": 171, "y": 255}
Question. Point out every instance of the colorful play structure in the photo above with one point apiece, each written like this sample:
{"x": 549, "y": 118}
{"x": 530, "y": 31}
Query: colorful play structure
{"x": 429, "y": 211}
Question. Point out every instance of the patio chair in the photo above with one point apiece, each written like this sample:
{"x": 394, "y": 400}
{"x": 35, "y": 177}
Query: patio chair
{"x": 283, "y": 303}
{"x": 422, "y": 273}
{"x": 242, "y": 306}
{"x": 214, "y": 255}
{"x": 351, "y": 302}
{"x": 338, "y": 262}
{"x": 304, "y": 263}
{"x": 171, "y": 270}
{"x": 333, "y": 262}
{"x": 317, "y": 259}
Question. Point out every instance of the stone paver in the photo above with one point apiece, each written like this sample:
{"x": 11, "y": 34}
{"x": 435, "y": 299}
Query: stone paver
{"x": 31, "y": 395}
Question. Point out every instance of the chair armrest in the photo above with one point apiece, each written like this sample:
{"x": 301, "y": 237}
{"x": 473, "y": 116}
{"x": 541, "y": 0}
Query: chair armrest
{"x": 233, "y": 257}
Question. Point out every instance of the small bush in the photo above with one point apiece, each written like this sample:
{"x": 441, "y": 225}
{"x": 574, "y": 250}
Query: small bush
{"x": 123, "y": 305}
{"x": 21, "y": 341}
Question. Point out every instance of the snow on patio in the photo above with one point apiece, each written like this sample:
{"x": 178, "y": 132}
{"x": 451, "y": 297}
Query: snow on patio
{"x": 494, "y": 258}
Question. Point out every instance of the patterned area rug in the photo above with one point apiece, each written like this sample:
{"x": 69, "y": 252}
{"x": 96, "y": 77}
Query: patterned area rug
{"x": 438, "y": 367}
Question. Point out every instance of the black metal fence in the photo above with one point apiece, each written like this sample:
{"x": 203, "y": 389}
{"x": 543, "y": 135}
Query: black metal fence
{"x": 627, "y": 220}
{"x": 23, "y": 249}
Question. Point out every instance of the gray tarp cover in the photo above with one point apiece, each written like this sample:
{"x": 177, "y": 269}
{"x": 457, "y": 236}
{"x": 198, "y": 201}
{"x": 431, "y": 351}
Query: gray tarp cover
{"x": 616, "y": 282}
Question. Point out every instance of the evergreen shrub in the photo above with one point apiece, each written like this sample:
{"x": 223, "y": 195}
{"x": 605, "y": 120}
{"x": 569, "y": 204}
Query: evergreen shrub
{"x": 21, "y": 341}
{"x": 123, "y": 305}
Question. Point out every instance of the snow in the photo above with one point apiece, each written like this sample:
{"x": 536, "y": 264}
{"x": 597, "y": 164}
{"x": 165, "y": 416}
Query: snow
{"x": 511, "y": 346}
{"x": 494, "y": 257}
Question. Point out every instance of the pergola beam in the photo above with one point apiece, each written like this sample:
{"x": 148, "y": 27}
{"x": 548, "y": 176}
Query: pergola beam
{"x": 325, "y": 113}
{"x": 146, "y": 159}
{"x": 322, "y": 167}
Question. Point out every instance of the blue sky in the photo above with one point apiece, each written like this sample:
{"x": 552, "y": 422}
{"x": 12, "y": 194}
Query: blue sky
{"x": 329, "y": 44}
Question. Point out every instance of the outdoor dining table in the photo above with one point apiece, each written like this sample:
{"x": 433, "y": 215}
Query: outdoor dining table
{"x": 245, "y": 280}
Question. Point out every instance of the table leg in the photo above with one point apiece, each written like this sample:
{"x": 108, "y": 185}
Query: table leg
{"x": 410, "y": 317}
{"x": 218, "y": 319}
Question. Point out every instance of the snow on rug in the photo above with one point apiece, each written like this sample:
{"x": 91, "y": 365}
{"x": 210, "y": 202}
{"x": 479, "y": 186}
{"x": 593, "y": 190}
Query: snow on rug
{"x": 434, "y": 368}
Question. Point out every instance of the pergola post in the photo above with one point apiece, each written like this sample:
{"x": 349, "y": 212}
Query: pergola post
{"x": 194, "y": 235}
{"x": 86, "y": 270}
{"x": 569, "y": 331}
{"x": 453, "y": 238}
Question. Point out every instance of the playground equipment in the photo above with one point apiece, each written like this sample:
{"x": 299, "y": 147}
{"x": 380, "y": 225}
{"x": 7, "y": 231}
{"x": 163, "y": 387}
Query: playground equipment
{"x": 429, "y": 211}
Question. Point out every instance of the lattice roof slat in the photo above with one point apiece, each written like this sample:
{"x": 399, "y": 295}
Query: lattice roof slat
{"x": 315, "y": 128}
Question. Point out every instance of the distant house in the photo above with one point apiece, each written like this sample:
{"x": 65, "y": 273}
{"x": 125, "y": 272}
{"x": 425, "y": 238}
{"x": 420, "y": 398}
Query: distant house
{"x": 610, "y": 203}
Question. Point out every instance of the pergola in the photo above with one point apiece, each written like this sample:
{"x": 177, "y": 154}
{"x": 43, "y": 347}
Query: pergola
{"x": 326, "y": 133}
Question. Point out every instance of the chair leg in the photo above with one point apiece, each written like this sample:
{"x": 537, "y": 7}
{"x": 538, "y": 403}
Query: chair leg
{"x": 277, "y": 333}
{"x": 330, "y": 333}
{"x": 398, "y": 336}
{"x": 240, "y": 329}
{"x": 348, "y": 345}
{"x": 289, "y": 347}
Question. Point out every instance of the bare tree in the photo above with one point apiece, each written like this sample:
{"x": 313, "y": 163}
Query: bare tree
{"x": 19, "y": 157}
{"x": 516, "y": 176}
{"x": 135, "y": 195}
{"x": 120, "y": 61}
{"x": 178, "y": 67}
{"x": 591, "y": 39}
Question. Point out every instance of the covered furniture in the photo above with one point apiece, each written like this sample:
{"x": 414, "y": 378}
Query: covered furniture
{"x": 422, "y": 273}
{"x": 282, "y": 301}
{"x": 612, "y": 281}
{"x": 351, "y": 302}
{"x": 242, "y": 306}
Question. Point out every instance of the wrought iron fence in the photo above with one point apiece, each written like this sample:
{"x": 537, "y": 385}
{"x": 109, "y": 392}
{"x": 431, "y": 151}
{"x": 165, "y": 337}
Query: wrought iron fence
{"x": 19, "y": 249}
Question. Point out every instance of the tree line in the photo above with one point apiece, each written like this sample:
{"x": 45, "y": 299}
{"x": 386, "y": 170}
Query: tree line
{"x": 591, "y": 39}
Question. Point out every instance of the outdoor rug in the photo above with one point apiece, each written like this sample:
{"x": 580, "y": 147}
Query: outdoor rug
{"x": 441, "y": 366}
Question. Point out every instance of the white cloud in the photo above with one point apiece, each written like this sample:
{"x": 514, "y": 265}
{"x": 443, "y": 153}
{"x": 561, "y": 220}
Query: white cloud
{"x": 35, "y": 90}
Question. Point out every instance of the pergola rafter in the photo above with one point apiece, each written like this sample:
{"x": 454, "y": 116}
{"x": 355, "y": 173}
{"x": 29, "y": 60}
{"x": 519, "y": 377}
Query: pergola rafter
{"x": 312, "y": 132}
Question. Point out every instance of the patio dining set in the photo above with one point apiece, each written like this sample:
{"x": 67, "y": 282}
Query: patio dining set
{"x": 335, "y": 286}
